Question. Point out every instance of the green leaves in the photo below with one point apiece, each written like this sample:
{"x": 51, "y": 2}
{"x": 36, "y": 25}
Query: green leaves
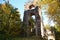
{"x": 10, "y": 19}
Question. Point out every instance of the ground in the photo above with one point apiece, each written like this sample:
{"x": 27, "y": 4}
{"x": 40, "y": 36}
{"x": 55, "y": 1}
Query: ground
{"x": 4, "y": 37}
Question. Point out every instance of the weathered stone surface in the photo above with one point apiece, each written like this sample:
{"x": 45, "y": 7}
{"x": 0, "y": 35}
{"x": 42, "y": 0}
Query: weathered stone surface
{"x": 28, "y": 14}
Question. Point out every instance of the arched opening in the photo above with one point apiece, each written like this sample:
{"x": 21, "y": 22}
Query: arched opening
{"x": 32, "y": 22}
{"x": 33, "y": 16}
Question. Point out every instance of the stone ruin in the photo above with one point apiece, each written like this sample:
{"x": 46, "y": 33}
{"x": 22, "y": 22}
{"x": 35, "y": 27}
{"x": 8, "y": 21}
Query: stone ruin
{"x": 29, "y": 13}
{"x": 30, "y": 10}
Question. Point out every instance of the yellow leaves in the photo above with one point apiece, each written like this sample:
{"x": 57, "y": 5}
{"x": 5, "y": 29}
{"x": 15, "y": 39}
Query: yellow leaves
{"x": 3, "y": 6}
{"x": 0, "y": 15}
{"x": 57, "y": 27}
{"x": 52, "y": 7}
{"x": 5, "y": 9}
{"x": 51, "y": 3}
{"x": 47, "y": 27}
{"x": 44, "y": 1}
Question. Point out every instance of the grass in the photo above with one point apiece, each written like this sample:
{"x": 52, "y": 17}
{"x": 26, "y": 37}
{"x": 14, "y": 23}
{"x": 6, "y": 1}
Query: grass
{"x": 5, "y": 37}
{"x": 26, "y": 38}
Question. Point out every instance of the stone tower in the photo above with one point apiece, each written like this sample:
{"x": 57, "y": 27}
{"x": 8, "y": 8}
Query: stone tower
{"x": 32, "y": 9}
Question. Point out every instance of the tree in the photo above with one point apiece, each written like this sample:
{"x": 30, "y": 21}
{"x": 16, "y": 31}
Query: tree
{"x": 53, "y": 12}
{"x": 10, "y": 19}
